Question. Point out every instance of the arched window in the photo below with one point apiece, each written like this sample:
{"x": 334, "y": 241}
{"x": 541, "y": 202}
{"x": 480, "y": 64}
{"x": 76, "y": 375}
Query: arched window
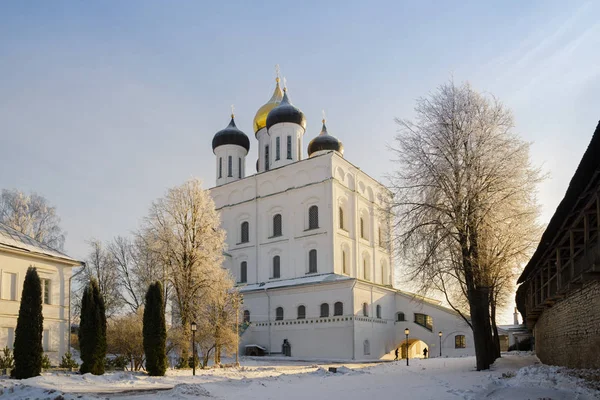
{"x": 240, "y": 167}
{"x": 301, "y": 312}
{"x": 400, "y": 317}
{"x": 383, "y": 274}
{"x": 246, "y": 316}
{"x": 229, "y": 166}
{"x": 289, "y": 147}
{"x": 378, "y": 310}
{"x": 220, "y": 167}
{"x": 243, "y": 272}
{"x": 424, "y": 320}
{"x": 312, "y": 261}
{"x": 362, "y": 228}
{"x": 277, "y": 147}
{"x": 344, "y": 268}
{"x": 266, "y": 157}
{"x": 366, "y": 348}
{"x": 324, "y": 310}
{"x": 276, "y": 267}
{"x": 277, "y": 225}
{"x": 338, "y": 308}
{"x": 366, "y": 270}
{"x": 341, "y": 217}
{"x": 279, "y": 314}
{"x": 460, "y": 342}
{"x": 245, "y": 232}
{"x": 365, "y": 310}
{"x": 313, "y": 217}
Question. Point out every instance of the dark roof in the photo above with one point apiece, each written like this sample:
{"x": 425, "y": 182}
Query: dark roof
{"x": 325, "y": 142}
{"x": 10, "y": 237}
{"x": 231, "y": 135}
{"x": 286, "y": 112}
{"x": 588, "y": 166}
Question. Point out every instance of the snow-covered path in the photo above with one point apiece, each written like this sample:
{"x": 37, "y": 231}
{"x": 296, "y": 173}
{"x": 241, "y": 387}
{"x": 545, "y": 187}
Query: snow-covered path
{"x": 513, "y": 377}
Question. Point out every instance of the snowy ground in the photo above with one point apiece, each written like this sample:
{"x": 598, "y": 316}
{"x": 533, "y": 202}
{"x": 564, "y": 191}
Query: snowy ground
{"x": 514, "y": 377}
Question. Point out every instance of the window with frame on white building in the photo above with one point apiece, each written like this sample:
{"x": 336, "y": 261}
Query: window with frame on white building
{"x": 243, "y": 272}
{"x": 313, "y": 217}
{"x": 46, "y": 291}
{"x": 276, "y": 267}
{"x": 277, "y": 231}
{"x": 301, "y": 312}
{"x": 338, "y": 308}
{"x": 245, "y": 232}
{"x": 9, "y": 286}
{"x": 312, "y": 261}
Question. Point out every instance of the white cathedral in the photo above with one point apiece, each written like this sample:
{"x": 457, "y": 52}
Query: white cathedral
{"x": 307, "y": 242}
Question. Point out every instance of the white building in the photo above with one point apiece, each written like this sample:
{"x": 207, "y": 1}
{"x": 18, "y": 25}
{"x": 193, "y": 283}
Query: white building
{"x": 17, "y": 253}
{"x": 307, "y": 244}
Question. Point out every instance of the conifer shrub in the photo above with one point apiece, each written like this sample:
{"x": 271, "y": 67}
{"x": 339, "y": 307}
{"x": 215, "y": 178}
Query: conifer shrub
{"x": 155, "y": 331}
{"x": 68, "y": 362}
{"x": 92, "y": 330}
{"x": 7, "y": 360}
{"x": 28, "y": 350}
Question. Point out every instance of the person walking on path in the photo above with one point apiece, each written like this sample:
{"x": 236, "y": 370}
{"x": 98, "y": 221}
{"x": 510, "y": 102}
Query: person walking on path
{"x": 425, "y": 352}
{"x": 396, "y": 352}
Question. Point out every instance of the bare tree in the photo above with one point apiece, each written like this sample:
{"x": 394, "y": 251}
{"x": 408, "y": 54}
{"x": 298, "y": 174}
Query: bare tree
{"x": 137, "y": 266}
{"x": 124, "y": 338}
{"x": 183, "y": 230}
{"x": 32, "y": 215}
{"x": 464, "y": 200}
{"x": 100, "y": 264}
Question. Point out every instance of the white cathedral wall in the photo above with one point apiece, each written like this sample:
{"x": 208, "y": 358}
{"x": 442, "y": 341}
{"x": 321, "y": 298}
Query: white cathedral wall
{"x": 223, "y": 153}
{"x": 313, "y": 337}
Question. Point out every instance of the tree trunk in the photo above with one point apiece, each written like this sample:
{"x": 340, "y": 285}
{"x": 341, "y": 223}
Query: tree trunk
{"x": 482, "y": 330}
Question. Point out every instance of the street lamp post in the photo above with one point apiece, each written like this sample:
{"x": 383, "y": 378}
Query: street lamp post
{"x": 440, "y": 335}
{"x": 406, "y": 332}
{"x": 194, "y": 327}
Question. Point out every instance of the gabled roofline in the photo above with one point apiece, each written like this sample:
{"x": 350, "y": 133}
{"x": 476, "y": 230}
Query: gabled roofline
{"x": 70, "y": 262}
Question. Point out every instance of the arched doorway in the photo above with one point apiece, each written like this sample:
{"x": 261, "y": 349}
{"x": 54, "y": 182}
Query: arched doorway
{"x": 415, "y": 348}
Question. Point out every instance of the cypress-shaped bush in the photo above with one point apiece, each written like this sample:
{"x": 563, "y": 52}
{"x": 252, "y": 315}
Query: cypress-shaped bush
{"x": 155, "y": 331}
{"x": 28, "y": 350}
{"x": 92, "y": 330}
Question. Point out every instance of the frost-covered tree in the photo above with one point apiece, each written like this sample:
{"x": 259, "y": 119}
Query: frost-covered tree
{"x": 465, "y": 204}
{"x": 32, "y": 215}
{"x": 183, "y": 230}
{"x": 124, "y": 338}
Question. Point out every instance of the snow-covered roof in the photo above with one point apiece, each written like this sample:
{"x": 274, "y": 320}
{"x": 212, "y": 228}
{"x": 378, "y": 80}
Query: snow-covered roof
{"x": 14, "y": 239}
{"x": 305, "y": 280}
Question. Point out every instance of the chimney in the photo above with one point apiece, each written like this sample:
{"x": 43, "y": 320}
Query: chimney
{"x": 516, "y": 317}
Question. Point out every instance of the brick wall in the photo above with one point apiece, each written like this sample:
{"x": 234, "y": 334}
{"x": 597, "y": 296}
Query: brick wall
{"x": 569, "y": 332}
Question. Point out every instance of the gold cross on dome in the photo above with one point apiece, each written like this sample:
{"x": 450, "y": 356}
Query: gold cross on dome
{"x": 232, "y": 110}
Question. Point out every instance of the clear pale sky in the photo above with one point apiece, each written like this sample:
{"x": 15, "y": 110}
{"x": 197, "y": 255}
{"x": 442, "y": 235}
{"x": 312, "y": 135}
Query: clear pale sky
{"x": 105, "y": 105}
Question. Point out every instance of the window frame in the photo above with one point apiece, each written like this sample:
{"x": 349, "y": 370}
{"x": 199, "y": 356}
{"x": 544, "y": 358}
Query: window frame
{"x": 398, "y": 314}
{"x": 277, "y": 148}
{"x": 324, "y": 310}
{"x": 303, "y": 314}
{"x": 244, "y": 272}
{"x": 460, "y": 342}
{"x": 289, "y": 147}
{"x": 341, "y": 218}
{"x": 427, "y": 322}
{"x": 378, "y": 311}
{"x": 220, "y": 167}
{"x": 245, "y": 234}
{"x": 267, "y": 166}
{"x": 240, "y": 167}
{"x": 229, "y": 166}
{"x": 246, "y": 316}
{"x": 276, "y": 271}
{"x": 313, "y": 263}
{"x": 313, "y": 217}
{"x": 46, "y": 291}
{"x": 365, "y": 309}
{"x": 279, "y": 316}
{"x": 277, "y": 225}
{"x": 338, "y": 309}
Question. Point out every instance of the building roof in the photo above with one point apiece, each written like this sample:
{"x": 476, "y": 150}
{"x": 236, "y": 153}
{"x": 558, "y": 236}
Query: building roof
{"x": 14, "y": 239}
{"x": 588, "y": 167}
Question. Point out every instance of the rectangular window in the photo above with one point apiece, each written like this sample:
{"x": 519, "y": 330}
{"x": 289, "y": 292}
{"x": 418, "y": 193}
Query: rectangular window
{"x": 10, "y": 337}
{"x": 9, "y": 286}
{"x": 229, "y": 166}
{"x": 289, "y": 147}
{"x": 220, "y": 167}
{"x": 266, "y": 157}
{"x": 46, "y": 340}
{"x": 424, "y": 320}
{"x": 277, "y": 147}
{"x": 240, "y": 167}
{"x": 460, "y": 342}
{"x": 244, "y": 272}
{"x": 312, "y": 261}
{"x": 46, "y": 292}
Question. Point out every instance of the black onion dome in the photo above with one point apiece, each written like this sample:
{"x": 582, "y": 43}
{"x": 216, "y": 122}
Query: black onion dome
{"x": 231, "y": 135}
{"x": 286, "y": 112}
{"x": 325, "y": 142}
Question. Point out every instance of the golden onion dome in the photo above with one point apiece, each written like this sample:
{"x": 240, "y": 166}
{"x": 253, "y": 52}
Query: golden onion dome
{"x": 260, "y": 119}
